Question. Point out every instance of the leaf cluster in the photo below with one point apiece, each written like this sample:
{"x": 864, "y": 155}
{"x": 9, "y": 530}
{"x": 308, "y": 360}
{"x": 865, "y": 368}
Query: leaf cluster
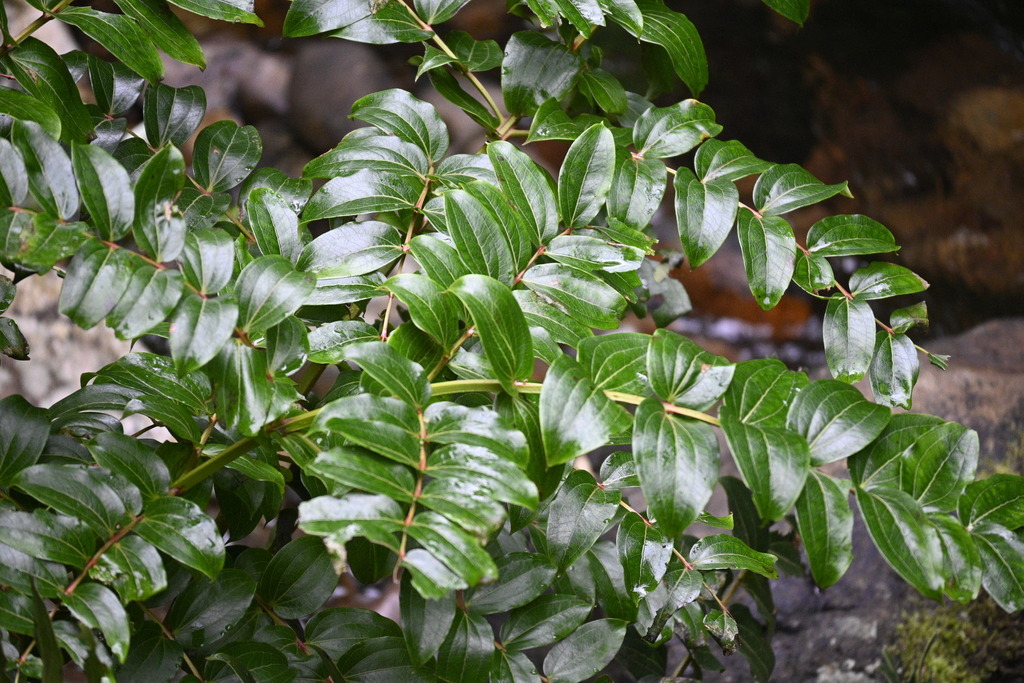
{"x": 533, "y": 487}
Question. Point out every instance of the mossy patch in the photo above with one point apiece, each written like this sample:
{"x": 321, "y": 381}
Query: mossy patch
{"x": 976, "y": 643}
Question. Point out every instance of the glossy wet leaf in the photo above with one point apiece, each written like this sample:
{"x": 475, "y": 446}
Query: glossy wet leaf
{"x": 23, "y": 432}
{"x": 399, "y": 113}
{"x": 849, "y": 235}
{"x": 199, "y": 330}
{"x": 588, "y": 650}
{"x": 51, "y": 179}
{"x": 680, "y": 372}
{"x": 269, "y": 290}
{"x": 19, "y": 105}
{"x": 99, "y": 608}
{"x": 43, "y": 74}
{"x": 825, "y": 522}
{"x": 122, "y": 36}
{"x": 101, "y": 499}
{"x": 165, "y": 29}
{"x": 785, "y": 187}
{"x": 586, "y": 176}
{"x": 644, "y": 553}
{"x": 208, "y": 260}
{"x": 705, "y": 213}
{"x": 48, "y": 536}
{"x": 669, "y": 131}
{"x": 893, "y": 370}
{"x": 236, "y": 11}
{"x": 172, "y": 114}
{"x": 133, "y": 461}
{"x": 179, "y": 528}
{"x": 674, "y": 32}
{"x": 728, "y": 552}
{"x": 578, "y": 515}
{"x": 849, "y": 335}
{"x": 997, "y": 499}
{"x": 881, "y": 280}
{"x": 384, "y": 425}
{"x": 769, "y": 256}
{"x": 536, "y": 68}
{"x": 299, "y": 578}
{"x": 522, "y": 577}
{"x": 835, "y": 419}
{"x": 583, "y": 296}
{"x": 543, "y": 621}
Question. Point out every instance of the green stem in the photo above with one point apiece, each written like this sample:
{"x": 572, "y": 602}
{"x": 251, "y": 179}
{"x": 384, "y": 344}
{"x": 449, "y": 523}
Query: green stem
{"x": 208, "y": 467}
{"x": 36, "y": 24}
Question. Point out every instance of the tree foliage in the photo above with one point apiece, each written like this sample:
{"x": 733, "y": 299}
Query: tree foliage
{"x": 441, "y": 456}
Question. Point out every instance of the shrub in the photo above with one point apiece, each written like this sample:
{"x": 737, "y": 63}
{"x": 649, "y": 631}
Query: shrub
{"x": 436, "y": 458}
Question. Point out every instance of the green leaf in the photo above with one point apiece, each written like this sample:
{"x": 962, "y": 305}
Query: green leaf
{"x": 534, "y": 70}
{"x": 397, "y": 112}
{"x": 13, "y": 175}
{"x": 835, "y": 419}
{"x": 854, "y": 235}
{"x": 144, "y": 373}
{"x": 105, "y": 189}
{"x": 585, "y": 297}
{"x": 269, "y": 290}
{"x": 385, "y": 153}
{"x": 252, "y": 661}
{"x": 500, "y": 324}
{"x": 543, "y": 621}
{"x": 902, "y": 319}
{"x": 23, "y": 573}
{"x": 12, "y": 342}
{"x": 208, "y": 259}
{"x": 453, "y": 546}
{"x": 961, "y": 559}
{"x": 364, "y": 191}
{"x": 726, "y": 160}
{"x": 522, "y": 577}
{"x": 365, "y": 471}
{"x": 682, "y": 373}
{"x": 677, "y": 464}
{"x": 673, "y": 130}
{"x": 448, "y": 87}
{"x": 237, "y": 11}
{"x": 99, "y": 608}
{"x": 101, "y": 499}
{"x": 674, "y": 32}
{"x": 893, "y": 370}
{"x": 996, "y": 499}
{"x": 450, "y": 423}
{"x": 511, "y": 667}
{"x": 171, "y": 414}
{"x": 16, "y": 614}
{"x": 116, "y": 87}
{"x": 638, "y": 187}
{"x": 389, "y": 23}
{"x": 881, "y": 280}
{"x": 23, "y": 433}
{"x": 431, "y": 308}
{"x": 384, "y": 425}
{"x": 224, "y": 155}
{"x": 41, "y": 240}
{"x": 19, "y": 105}
{"x": 586, "y": 176}
{"x": 148, "y": 299}
{"x": 172, "y": 114}
{"x": 248, "y": 395}
{"x": 907, "y": 542}
{"x": 825, "y": 523}
{"x": 199, "y": 330}
{"x": 127, "y": 457}
{"x": 813, "y": 272}
{"x": 133, "y": 568}
{"x": 644, "y": 554}
{"x": 165, "y": 29}
{"x": 578, "y": 515}
{"x": 45, "y": 535}
{"x": 528, "y": 187}
{"x": 152, "y": 657}
{"x": 794, "y": 10}
{"x": 727, "y": 552}
{"x": 466, "y": 653}
{"x": 774, "y": 462}
{"x": 705, "y": 213}
{"x": 400, "y": 377}
{"x": 309, "y": 17}
{"x": 785, "y": 187}
{"x": 575, "y": 415}
{"x": 425, "y": 622}
{"x": 122, "y": 36}
{"x": 327, "y": 343}
{"x": 351, "y": 249}
{"x": 478, "y": 237}
{"x": 1002, "y": 553}
{"x": 769, "y": 256}
{"x": 43, "y": 74}
{"x": 95, "y": 281}
{"x": 274, "y": 224}
{"x": 51, "y": 178}
{"x": 205, "y": 610}
{"x": 588, "y": 650}
{"x": 179, "y": 528}
{"x": 616, "y": 362}
{"x": 159, "y": 226}
{"x": 603, "y": 89}
{"x": 299, "y": 578}
{"x": 848, "y": 332}
{"x": 49, "y": 650}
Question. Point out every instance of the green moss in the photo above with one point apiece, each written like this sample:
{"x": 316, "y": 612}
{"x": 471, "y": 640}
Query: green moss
{"x": 977, "y": 643}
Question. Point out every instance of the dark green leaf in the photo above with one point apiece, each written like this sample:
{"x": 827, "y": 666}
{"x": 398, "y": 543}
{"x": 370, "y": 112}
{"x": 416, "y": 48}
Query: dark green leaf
{"x": 431, "y": 308}
{"x": 299, "y": 578}
{"x": 528, "y": 187}
{"x": 835, "y": 419}
{"x": 252, "y": 661}
{"x": 152, "y": 657}
{"x": 351, "y": 249}
{"x": 521, "y": 578}
{"x": 389, "y": 23}
{"x": 148, "y": 299}
{"x": 23, "y": 432}
{"x": 399, "y": 376}
{"x": 51, "y": 178}
{"x": 588, "y": 650}
{"x": 825, "y": 523}
{"x": 893, "y": 370}
{"x": 813, "y": 272}
{"x": 309, "y": 17}
{"x": 511, "y": 667}
{"x": 12, "y": 342}
{"x": 586, "y": 176}
{"x": 327, "y": 343}
{"x": 274, "y": 224}
{"x": 576, "y": 417}
{"x": 674, "y": 32}
{"x": 95, "y": 281}
{"x": 199, "y": 329}
{"x": 133, "y": 568}
{"x": 208, "y": 259}
{"x": 785, "y": 187}
{"x": 769, "y": 256}
{"x": 603, "y": 89}
{"x": 478, "y": 237}
{"x": 122, "y": 36}
{"x": 849, "y": 334}
{"x": 585, "y": 297}
{"x": 101, "y": 499}
{"x": 644, "y": 554}
{"x": 882, "y": 280}
{"x": 269, "y": 290}
{"x": 448, "y": 87}
{"x": 13, "y": 175}
{"x": 677, "y": 464}
{"x": 425, "y": 622}
{"x": 616, "y": 362}
{"x": 794, "y": 10}
{"x": 172, "y": 114}
{"x": 1002, "y": 552}
{"x": 179, "y": 528}
{"x": 237, "y": 11}
{"x": 681, "y": 373}
{"x": 19, "y": 105}
{"x": 127, "y": 457}
{"x": 500, "y": 324}
{"x": 961, "y": 559}
{"x": 99, "y": 608}
{"x": 457, "y": 549}
{"x": 43, "y": 74}
{"x": 399, "y": 113}
{"x": 205, "y": 610}
{"x": 159, "y": 225}
{"x": 364, "y": 191}
{"x": 705, "y": 213}
{"x": 907, "y": 542}
{"x": 466, "y": 653}
{"x": 718, "y": 160}
{"x": 384, "y": 425}
{"x": 673, "y": 130}
{"x": 48, "y": 536}
{"x": 638, "y": 187}
{"x": 854, "y": 235}
{"x": 997, "y": 499}
{"x": 728, "y": 552}
{"x": 902, "y": 319}
{"x": 543, "y": 621}
{"x": 224, "y": 155}
{"x": 106, "y": 191}
{"x": 248, "y": 395}
{"x": 165, "y": 29}
{"x": 578, "y": 515}
{"x": 534, "y": 70}
{"x": 385, "y": 153}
